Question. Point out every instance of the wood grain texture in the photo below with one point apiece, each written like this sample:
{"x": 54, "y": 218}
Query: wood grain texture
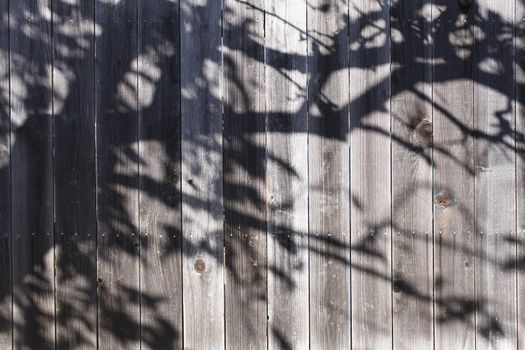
{"x": 117, "y": 176}
{"x": 495, "y": 178}
{"x": 412, "y": 258}
{"x": 244, "y": 171}
{"x": 453, "y": 187}
{"x": 296, "y": 174}
{"x": 519, "y": 57}
{"x": 159, "y": 197}
{"x": 328, "y": 176}
{"x": 32, "y": 176}
{"x": 287, "y": 174}
{"x": 370, "y": 172}
{"x": 6, "y": 304}
{"x": 74, "y": 169}
{"x": 202, "y": 183}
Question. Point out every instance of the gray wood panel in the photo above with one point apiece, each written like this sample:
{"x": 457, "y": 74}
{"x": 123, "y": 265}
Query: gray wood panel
{"x": 412, "y": 258}
{"x": 287, "y": 174}
{"x": 328, "y": 175}
{"x": 74, "y": 171}
{"x": 246, "y": 174}
{"x": 159, "y": 196}
{"x": 202, "y": 182}
{"x": 519, "y": 66}
{"x": 6, "y": 305}
{"x": 32, "y": 176}
{"x": 454, "y": 238}
{"x": 244, "y": 171}
{"x": 117, "y": 175}
{"x": 370, "y": 172}
{"x": 495, "y": 179}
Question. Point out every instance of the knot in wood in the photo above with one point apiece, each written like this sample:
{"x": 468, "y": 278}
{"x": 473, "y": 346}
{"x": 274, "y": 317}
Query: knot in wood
{"x": 423, "y": 132}
{"x": 443, "y": 200}
{"x": 398, "y": 286}
{"x": 200, "y": 265}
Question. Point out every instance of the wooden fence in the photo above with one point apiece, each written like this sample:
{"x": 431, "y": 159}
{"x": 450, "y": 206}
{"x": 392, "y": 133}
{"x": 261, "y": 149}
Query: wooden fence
{"x": 262, "y": 174}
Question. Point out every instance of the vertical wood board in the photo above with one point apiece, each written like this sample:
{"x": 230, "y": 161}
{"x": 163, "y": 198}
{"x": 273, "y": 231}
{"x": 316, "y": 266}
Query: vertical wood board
{"x": 287, "y": 174}
{"x": 370, "y": 172}
{"x": 328, "y": 176}
{"x": 117, "y": 176}
{"x": 74, "y": 176}
{"x": 202, "y": 184}
{"x": 411, "y": 109}
{"x": 159, "y": 195}
{"x": 453, "y": 185}
{"x": 495, "y": 178}
{"x": 244, "y": 171}
{"x": 32, "y": 176}
{"x": 6, "y": 305}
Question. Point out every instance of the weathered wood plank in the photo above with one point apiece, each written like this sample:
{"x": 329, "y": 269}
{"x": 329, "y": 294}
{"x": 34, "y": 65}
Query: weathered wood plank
{"x": 412, "y": 258}
{"x": 328, "y": 174}
{"x": 519, "y": 57}
{"x": 74, "y": 168}
{"x": 6, "y": 304}
{"x": 287, "y": 174}
{"x": 117, "y": 176}
{"x": 32, "y": 175}
{"x": 244, "y": 171}
{"x": 202, "y": 189}
{"x": 159, "y": 197}
{"x": 495, "y": 179}
{"x": 453, "y": 180}
{"x": 370, "y": 172}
